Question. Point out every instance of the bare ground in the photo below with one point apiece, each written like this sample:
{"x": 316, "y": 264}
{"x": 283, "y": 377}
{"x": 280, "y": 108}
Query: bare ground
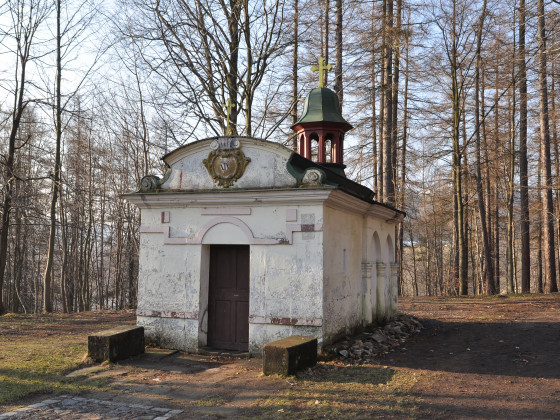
{"x": 484, "y": 358}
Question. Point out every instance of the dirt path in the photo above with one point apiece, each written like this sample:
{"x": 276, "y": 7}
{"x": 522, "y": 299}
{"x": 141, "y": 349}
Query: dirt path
{"x": 476, "y": 358}
{"x": 485, "y": 358}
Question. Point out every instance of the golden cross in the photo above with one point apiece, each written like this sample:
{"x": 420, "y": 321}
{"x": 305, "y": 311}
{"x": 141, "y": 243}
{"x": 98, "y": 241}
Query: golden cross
{"x": 321, "y": 69}
{"x": 229, "y": 106}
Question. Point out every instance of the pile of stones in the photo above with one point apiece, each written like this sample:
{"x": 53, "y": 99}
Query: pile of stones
{"x": 375, "y": 342}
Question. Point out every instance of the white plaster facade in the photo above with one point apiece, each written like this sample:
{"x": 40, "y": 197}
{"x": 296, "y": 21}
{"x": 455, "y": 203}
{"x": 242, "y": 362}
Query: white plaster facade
{"x": 321, "y": 259}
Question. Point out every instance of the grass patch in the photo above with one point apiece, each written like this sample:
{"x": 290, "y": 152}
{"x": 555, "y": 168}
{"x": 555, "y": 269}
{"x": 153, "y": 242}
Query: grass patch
{"x": 356, "y": 392}
{"x": 36, "y": 352}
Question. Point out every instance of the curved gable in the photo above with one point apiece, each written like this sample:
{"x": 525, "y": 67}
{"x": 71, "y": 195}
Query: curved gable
{"x": 264, "y": 165}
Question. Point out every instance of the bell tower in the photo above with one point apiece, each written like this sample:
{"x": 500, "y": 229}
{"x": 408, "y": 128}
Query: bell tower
{"x": 321, "y": 128}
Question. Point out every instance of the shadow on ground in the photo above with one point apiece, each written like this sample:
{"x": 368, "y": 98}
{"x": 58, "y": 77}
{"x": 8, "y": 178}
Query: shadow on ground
{"x": 526, "y": 349}
{"x": 174, "y": 361}
{"x": 371, "y": 375}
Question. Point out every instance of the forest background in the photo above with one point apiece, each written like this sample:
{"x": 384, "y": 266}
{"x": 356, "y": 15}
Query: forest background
{"x": 453, "y": 105}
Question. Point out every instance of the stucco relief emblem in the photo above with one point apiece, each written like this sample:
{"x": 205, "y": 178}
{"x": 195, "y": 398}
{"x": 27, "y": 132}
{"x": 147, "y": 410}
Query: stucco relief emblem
{"x": 226, "y": 163}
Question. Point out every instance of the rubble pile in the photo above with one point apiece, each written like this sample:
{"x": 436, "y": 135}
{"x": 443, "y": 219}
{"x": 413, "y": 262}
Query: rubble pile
{"x": 375, "y": 342}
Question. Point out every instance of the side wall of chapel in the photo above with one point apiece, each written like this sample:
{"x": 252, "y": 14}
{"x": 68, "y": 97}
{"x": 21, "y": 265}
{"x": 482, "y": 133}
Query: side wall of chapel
{"x": 360, "y": 284}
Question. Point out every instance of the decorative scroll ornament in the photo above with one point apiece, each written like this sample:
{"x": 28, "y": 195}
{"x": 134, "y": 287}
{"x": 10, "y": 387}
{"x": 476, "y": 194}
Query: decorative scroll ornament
{"x": 226, "y": 163}
{"x": 149, "y": 183}
{"x": 314, "y": 176}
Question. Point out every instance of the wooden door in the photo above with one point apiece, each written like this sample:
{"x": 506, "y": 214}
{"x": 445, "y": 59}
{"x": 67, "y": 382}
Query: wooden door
{"x": 228, "y": 301}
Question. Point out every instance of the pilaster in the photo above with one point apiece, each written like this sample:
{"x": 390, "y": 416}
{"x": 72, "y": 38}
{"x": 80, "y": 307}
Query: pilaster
{"x": 382, "y": 304}
{"x": 366, "y": 291}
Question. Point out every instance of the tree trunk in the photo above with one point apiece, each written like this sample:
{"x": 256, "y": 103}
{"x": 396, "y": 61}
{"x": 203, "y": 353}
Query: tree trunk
{"x": 47, "y": 278}
{"x": 326, "y": 24}
{"x": 395, "y": 95}
{"x": 233, "y": 61}
{"x": 65, "y": 254}
{"x": 414, "y": 272}
{"x": 497, "y": 144}
{"x": 540, "y": 288}
{"x": 338, "y": 88}
{"x": 295, "y": 95}
{"x": 9, "y": 176}
{"x": 402, "y": 188}
{"x": 388, "y": 182}
{"x": 488, "y": 263}
{"x": 380, "y": 163}
{"x": 510, "y": 199}
{"x": 497, "y": 238}
{"x": 523, "y": 164}
{"x": 374, "y": 162}
{"x": 456, "y": 163}
{"x": 546, "y": 191}
{"x": 556, "y": 156}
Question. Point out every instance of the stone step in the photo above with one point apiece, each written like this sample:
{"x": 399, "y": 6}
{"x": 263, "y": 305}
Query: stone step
{"x": 288, "y": 355}
{"x": 116, "y": 344}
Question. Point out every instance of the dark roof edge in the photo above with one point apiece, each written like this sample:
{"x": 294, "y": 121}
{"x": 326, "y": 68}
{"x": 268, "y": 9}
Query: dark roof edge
{"x": 297, "y": 165}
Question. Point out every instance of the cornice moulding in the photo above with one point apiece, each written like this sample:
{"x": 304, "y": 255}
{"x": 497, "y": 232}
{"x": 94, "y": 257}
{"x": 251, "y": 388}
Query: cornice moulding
{"x": 244, "y": 198}
{"x": 329, "y": 196}
{"x": 342, "y": 201}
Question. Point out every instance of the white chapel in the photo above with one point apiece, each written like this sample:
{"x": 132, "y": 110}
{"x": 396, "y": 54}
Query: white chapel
{"x": 244, "y": 241}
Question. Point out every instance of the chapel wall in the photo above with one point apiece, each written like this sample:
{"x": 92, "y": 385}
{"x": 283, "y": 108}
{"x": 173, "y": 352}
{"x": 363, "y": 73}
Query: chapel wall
{"x": 342, "y": 305}
{"x": 286, "y": 291}
{"x": 285, "y": 278}
{"x": 168, "y": 290}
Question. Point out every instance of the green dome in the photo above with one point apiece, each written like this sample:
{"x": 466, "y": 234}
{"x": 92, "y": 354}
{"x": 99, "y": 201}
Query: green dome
{"x": 322, "y": 105}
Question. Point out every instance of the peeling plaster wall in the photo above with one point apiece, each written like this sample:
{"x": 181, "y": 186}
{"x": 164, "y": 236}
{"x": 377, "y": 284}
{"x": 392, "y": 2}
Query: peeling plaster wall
{"x": 265, "y": 222}
{"x": 168, "y": 288}
{"x": 286, "y": 288}
{"x": 171, "y": 333}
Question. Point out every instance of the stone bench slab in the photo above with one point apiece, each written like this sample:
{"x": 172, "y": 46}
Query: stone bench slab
{"x": 116, "y": 344}
{"x": 288, "y": 355}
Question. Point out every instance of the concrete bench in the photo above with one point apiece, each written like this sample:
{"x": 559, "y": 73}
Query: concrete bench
{"x": 116, "y": 344}
{"x": 288, "y": 355}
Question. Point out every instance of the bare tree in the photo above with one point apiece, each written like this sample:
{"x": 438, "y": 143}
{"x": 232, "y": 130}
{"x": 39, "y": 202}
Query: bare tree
{"x": 338, "y": 87}
{"x": 295, "y": 93}
{"x": 208, "y": 54}
{"x": 47, "y": 278}
{"x": 26, "y": 18}
{"x": 546, "y": 163}
{"x": 77, "y": 18}
{"x": 523, "y": 164}
{"x": 388, "y": 182}
{"x": 488, "y": 262}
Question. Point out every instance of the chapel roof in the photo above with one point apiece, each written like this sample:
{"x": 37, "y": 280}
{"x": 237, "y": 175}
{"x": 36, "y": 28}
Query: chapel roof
{"x": 300, "y": 164}
{"x": 322, "y": 105}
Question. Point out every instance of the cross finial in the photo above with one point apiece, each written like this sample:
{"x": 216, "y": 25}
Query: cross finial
{"x": 321, "y": 69}
{"x": 229, "y": 106}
